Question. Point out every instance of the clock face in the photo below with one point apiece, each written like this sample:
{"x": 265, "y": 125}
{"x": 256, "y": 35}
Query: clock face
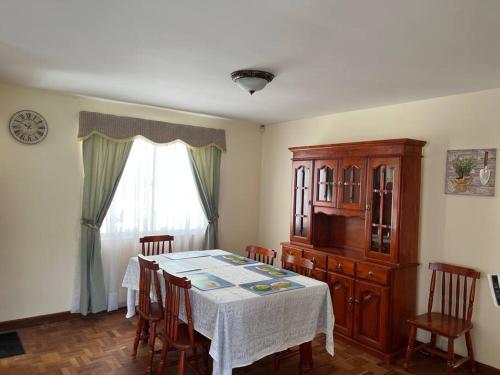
{"x": 28, "y": 127}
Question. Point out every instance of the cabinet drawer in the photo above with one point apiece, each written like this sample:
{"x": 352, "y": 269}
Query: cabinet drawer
{"x": 373, "y": 272}
{"x": 341, "y": 265}
{"x": 319, "y": 275}
{"x": 318, "y": 257}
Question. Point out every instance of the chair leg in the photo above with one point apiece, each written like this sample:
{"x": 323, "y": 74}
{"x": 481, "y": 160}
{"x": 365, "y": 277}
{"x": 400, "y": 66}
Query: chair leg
{"x": 433, "y": 340}
{"x": 138, "y": 332}
{"x": 432, "y": 344}
{"x": 145, "y": 336}
{"x": 152, "y": 336}
{"x": 182, "y": 358}
{"x": 411, "y": 345}
{"x": 470, "y": 351}
{"x": 163, "y": 358}
{"x": 451, "y": 356}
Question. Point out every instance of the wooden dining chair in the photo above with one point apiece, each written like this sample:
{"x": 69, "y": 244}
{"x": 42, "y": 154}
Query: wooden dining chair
{"x": 150, "y": 308}
{"x": 261, "y": 254}
{"x": 304, "y": 267}
{"x": 177, "y": 335}
{"x": 453, "y": 318}
{"x": 155, "y": 245}
{"x": 300, "y": 265}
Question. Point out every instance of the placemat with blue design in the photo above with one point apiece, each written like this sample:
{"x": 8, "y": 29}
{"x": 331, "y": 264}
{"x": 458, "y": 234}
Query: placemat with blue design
{"x": 266, "y": 287}
{"x": 235, "y": 260}
{"x": 206, "y": 281}
{"x": 271, "y": 271}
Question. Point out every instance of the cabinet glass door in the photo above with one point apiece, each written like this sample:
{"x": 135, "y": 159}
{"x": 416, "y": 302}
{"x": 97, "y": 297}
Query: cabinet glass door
{"x": 325, "y": 179}
{"x": 383, "y": 185}
{"x": 301, "y": 216}
{"x": 351, "y": 184}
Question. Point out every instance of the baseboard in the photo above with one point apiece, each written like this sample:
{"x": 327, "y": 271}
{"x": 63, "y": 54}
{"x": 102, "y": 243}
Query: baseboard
{"x": 487, "y": 369}
{"x": 11, "y": 325}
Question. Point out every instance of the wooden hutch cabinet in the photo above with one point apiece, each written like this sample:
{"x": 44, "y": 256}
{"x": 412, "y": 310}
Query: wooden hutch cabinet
{"x": 355, "y": 211}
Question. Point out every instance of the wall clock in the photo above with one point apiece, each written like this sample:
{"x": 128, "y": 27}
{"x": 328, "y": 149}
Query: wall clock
{"x": 28, "y": 127}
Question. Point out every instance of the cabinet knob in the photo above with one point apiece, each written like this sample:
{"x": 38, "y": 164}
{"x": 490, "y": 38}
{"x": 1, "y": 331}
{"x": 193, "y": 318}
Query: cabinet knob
{"x": 370, "y": 273}
{"x": 339, "y": 266}
{"x": 356, "y": 301}
{"x": 350, "y": 300}
{"x": 367, "y": 207}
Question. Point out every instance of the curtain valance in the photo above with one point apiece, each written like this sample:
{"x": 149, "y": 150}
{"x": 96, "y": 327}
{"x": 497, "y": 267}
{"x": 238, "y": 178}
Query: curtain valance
{"x": 122, "y": 128}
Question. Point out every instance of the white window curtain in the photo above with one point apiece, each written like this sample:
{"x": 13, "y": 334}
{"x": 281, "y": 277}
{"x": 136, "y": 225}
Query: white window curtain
{"x": 156, "y": 195}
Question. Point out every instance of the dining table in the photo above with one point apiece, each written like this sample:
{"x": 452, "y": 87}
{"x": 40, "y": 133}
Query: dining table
{"x": 245, "y": 326}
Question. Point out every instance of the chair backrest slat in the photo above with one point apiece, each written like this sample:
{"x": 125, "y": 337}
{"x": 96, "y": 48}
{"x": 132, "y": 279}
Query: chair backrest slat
{"x": 176, "y": 294}
{"x": 452, "y": 295}
{"x": 148, "y": 275}
{"x": 261, "y": 254}
{"x": 471, "y": 300}
{"x": 155, "y": 245}
{"x": 300, "y": 265}
{"x": 443, "y": 291}
{"x": 464, "y": 301}
{"x": 431, "y": 293}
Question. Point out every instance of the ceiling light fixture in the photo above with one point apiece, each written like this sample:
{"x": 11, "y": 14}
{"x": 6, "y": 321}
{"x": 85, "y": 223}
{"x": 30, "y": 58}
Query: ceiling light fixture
{"x": 251, "y": 80}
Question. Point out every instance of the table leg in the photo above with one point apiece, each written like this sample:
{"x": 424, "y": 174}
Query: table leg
{"x": 306, "y": 360}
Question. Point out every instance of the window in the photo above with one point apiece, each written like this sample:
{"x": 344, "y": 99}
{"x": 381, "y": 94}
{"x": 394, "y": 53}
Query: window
{"x": 156, "y": 195}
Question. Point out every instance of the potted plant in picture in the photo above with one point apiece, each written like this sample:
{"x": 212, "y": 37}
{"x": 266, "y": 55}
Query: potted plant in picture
{"x": 463, "y": 168}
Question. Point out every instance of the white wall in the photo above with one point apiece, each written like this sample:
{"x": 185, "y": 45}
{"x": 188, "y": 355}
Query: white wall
{"x": 454, "y": 229}
{"x": 41, "y": 186}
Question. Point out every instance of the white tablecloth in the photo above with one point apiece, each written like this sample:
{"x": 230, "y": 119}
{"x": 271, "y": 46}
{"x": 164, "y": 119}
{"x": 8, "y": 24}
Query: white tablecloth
{"x": 245, "y": 327}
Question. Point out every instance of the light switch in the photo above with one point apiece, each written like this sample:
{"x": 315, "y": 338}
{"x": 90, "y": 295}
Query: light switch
{"x": 494, "y": 281}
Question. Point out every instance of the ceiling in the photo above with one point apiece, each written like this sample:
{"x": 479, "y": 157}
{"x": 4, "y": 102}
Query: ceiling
{"x": 328, "y": 55}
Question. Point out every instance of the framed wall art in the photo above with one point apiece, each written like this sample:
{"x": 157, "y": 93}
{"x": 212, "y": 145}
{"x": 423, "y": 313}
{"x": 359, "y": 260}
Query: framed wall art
{"x": 471, "y": 172}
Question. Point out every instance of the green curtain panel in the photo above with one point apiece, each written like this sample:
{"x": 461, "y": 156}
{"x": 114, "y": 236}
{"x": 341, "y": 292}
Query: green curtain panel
{"x": 103, "y": 164}
{"x": 205, "y": 164}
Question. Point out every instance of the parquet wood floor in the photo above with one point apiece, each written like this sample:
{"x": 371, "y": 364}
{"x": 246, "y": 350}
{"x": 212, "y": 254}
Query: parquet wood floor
{"x": 102, "y": 344}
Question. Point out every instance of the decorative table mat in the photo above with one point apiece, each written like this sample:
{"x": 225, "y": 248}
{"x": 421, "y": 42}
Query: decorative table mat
{"x": 266, "y": 287}
{"x": 186, "y": 255}
{"x": 235, "y": 260}
{"x": 270, "y": 271}
{"x": 207, "y": 281}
